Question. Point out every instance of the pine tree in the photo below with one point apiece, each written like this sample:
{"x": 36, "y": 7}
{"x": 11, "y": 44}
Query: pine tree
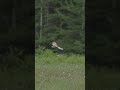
{"x": 63, "y": 21}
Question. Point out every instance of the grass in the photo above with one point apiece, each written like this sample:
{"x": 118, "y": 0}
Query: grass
{"x": 49, "y": 57}
{"x": 105, "y": 79}
{"x": 59, "y": 72}
{"x": 16, "y": 73}
{"x": 17, "y": 80}
{"x": 51, "y": 72}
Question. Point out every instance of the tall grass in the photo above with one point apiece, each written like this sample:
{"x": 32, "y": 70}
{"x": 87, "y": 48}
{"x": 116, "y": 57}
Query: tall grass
{"x": 105, "y": 79}
{"x": 49, "y": 57}
{"x": 63, "y": 72}
{"x": 16, "y": 70}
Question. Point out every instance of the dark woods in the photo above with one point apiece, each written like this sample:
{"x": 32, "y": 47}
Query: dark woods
{"x": 16, "y": 32}
{"x": 62, "y": 21}
{"x": 102, "y": 38}
{"x": 16, "y": 23}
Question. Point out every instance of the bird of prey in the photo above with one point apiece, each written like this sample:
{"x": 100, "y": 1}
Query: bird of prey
{"x": 54, "y": 45}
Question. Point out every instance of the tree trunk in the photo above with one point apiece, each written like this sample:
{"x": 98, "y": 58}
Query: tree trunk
{"x": 41, "y": 20}
{"x": 14, "y": 16}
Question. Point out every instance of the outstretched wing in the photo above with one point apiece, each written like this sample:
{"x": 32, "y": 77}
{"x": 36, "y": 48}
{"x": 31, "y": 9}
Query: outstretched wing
{"x": 60, "y": 48}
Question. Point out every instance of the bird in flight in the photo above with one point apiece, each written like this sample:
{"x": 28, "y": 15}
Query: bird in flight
{"x": 55, "y": 45}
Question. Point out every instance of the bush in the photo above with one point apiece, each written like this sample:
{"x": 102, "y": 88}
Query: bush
{"x": 43, "y": 53}
{"x": 48, "y": 53}
{"x": 49, "y": 57}
{"x": 39, "y": 50}
{"x": 14, "y": 59}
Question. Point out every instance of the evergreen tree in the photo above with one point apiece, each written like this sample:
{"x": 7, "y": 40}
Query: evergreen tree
{"x": 63, "y": 21}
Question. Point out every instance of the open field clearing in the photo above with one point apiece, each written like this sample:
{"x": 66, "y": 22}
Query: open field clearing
{"x": 60, "y": 73}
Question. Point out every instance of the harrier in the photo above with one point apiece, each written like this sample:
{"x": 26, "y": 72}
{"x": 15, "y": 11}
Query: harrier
{"x": 55, "y": 45}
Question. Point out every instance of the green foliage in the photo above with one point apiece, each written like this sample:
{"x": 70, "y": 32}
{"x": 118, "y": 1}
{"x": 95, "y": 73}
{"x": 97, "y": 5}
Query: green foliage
{"x": 47, "y": 53}
{"x": 59, "y": 76}
{"x": 61, "y": 20}
{"x": 15, "y": 58}
{"x": 63, "y": 72}
{"x": 108, "y": 78}
{"x": 49, "y": 57}
{"x": 17, "y": 67}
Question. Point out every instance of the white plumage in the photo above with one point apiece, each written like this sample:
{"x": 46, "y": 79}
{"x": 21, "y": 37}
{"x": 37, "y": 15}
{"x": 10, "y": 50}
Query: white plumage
{"x": 54, "y": 45}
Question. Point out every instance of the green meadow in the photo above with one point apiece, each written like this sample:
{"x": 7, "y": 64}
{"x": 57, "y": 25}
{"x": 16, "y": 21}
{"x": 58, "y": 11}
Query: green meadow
{"x": 63, "y": 72}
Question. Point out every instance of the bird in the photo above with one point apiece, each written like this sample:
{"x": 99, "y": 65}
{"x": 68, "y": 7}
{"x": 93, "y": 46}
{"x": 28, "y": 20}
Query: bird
{"x": 55, "y": 45}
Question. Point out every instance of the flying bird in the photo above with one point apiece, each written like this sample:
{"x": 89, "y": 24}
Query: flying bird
{"x": 54, "y": 45}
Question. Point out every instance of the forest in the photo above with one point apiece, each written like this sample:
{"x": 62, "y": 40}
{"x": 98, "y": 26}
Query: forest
{"x": 63, "y": 21}
{"x": 84, "y": 29}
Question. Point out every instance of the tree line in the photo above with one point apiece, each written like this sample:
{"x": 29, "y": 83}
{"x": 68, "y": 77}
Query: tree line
{"x": 63, "y": 21}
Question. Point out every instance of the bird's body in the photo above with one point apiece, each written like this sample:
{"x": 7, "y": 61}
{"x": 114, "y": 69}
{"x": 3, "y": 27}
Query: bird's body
{"x": 54, "y": 45}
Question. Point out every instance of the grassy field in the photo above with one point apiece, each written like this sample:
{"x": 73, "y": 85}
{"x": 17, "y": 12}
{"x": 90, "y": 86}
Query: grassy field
{"x": 64, "y": 72}
{"x": 105, "y": 79}
{"x": 16, "y": 80}
{"x": 15, "y": 75}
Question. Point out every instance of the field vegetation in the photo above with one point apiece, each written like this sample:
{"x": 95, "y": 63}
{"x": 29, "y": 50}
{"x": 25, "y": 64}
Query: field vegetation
{"x": 63, "y": 72}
